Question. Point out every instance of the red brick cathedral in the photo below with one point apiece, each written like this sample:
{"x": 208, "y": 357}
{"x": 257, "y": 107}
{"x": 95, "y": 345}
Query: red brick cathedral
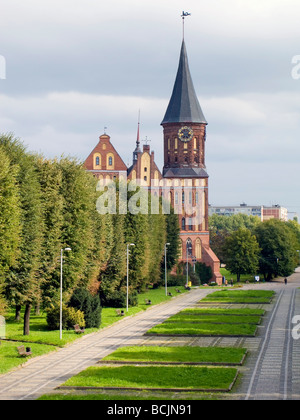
{"x": 184, "y": 175}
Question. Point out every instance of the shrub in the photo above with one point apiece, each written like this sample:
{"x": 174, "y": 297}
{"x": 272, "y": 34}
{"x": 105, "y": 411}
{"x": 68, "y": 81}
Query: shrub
{"x": 204, "y": 272}
{"x": 176, "y": 280}
{"x": 70, "y": 317}
{"x": 117, "y": 299}
{"x": 83, "y": 301}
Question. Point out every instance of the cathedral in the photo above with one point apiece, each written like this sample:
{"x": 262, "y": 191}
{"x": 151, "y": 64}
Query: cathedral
{"x": 183, "y": 180}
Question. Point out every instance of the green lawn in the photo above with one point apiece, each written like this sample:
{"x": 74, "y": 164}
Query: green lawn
{"x": 178, "y": 354}
{"x": 41, "y": 340}
{"x": 222, "y": 311}
{"x": 185, "y": 328}
{"x": 240, "y": 296}
{"x": 10, "y": 359}
{"x": 216, "y": 319}
{"x": 39, "y": 332}
{"x": 149, "y": 377}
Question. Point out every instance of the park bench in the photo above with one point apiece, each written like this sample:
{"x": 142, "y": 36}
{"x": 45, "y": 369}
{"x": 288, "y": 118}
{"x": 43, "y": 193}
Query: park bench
{"x": 78, "y": 330}
{"x": 24, "y": 352}
{"x": 148, "y": 302}
{"x": 120, "y": 312}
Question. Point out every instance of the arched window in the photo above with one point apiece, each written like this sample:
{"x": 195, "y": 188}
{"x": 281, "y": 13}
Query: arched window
{"x": 180, "y": 249}
{"x": 198, "y": 251}
{"x": 183, "y": 223}
{"x": 110, "y": 161}
{"x": 97, "y": 161}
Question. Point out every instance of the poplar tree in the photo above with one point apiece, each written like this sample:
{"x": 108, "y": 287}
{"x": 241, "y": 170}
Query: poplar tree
{"x": 22, "y": 286}
{"x": 50, "y": 178}
{"x": 9, "y": 220}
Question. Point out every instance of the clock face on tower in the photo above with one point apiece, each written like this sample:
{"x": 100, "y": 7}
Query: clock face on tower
{"x": 185, "y": 134}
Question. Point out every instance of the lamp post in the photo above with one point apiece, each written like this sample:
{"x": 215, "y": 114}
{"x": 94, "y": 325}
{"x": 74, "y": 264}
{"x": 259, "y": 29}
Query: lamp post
{"x": 166, "y": 273}
{"x": 127, "y": 298}
{"x": 188, "y": 251}
{"x": 61, "y": 287}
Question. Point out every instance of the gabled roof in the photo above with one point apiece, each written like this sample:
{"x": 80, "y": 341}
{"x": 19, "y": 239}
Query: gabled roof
{"x": 184, "y": 106}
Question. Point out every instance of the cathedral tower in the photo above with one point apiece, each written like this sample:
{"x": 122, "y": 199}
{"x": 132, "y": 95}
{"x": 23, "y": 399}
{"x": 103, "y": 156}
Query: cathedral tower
{"x": 184, "y": 168}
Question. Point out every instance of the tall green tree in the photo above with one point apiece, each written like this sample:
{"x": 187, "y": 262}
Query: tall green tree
{"x": 79, "y": 228}
{"x": 10, "y": 224}
{"x": 157, "y": 228}
{"x": 112, "y": 277}
{"x": 22, "y": 283}
{"x": 173, "y": 238}
{"x": 50, "y": 179}
{"x": 221, "y": 227}
{"x": 242, "y": 253}
{"x": 278, "y": 251}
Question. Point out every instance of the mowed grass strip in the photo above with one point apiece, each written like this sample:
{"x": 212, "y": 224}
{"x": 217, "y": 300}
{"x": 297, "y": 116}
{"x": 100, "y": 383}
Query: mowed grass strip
{"x": 10, "y": 359}
{"x": 215, "y": 319}
{"x": 240, "y": 296}
{"x": 155, "y": 377}
{"x": 203, "y": 355}
{"x": 202, "y": 329}
{"x": 223, "y": 311}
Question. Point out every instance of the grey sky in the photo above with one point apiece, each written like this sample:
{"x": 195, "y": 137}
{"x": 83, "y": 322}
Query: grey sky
{"x": 74, "y": 67}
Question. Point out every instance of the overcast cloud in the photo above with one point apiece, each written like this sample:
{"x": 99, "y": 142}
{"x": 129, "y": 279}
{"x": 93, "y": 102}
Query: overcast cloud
{"x": 74, "y": 67}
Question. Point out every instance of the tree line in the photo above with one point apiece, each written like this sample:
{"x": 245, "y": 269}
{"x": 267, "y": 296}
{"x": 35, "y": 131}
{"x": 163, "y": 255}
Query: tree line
{"x": 249, "y": 246}
{"x": 50, "y": 204}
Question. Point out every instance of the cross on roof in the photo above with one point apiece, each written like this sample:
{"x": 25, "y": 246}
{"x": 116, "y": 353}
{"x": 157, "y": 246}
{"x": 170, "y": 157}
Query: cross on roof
{"x": 146, "y": 140}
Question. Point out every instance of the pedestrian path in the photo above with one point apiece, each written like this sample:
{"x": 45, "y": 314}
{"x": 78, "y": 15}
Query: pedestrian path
{"x": 272, "y": 370}
{"x": 42, "y": 375}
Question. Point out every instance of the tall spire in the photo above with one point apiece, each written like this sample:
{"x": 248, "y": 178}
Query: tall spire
{"x": 184, "y": 106}
{"x": 138, "y": 132}
{"x": 137, "y": 149}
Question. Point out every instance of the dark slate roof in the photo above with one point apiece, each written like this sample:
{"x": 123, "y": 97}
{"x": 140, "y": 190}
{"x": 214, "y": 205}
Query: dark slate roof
{"x": 184, "y": 106}
{"x": 185, "y": 173}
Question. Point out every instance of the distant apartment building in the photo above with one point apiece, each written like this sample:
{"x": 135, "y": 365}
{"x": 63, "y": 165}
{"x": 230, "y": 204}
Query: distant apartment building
{"x": 263, "y": 212}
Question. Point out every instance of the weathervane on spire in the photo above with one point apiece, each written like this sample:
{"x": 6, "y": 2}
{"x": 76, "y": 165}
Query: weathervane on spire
{"x": 184, "y": 15}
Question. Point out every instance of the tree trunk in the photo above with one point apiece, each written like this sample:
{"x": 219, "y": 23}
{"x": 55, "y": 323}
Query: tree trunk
{"x": 26, "y": 330}
{"x": 18, "y": 312}
{"x": 37, "y": 309}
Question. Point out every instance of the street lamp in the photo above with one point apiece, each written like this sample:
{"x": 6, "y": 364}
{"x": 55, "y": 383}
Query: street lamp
{"x": 166, "y": 276}
{"x": 127, "y": 298}
{"x": 188, "y": 251}
{"x": 61, "y": 287}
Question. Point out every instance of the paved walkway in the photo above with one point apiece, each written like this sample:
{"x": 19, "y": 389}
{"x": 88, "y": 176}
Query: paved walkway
{"x": 272, "y": 370}
{"x": 42, "y": 375}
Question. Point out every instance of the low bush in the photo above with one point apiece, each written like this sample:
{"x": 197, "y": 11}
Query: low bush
{"x": 70, "y": 317}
